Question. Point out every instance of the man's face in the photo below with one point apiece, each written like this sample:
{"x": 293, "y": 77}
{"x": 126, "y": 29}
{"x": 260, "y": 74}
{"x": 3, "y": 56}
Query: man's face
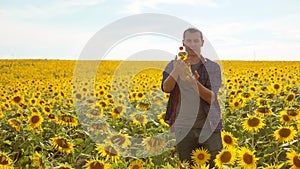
{"x": 193, "y": 43}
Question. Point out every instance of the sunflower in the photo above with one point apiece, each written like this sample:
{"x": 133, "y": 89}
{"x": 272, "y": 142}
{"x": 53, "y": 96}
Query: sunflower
{"x": 62, "y": 144}
{"x": 276, "y": 87}
{"x": 22, "y": 115}
{"x": 262, "y": 102}
{"x": 154, "y": 144}
{"x": 143, "y": 105}
{"x": 122, "y": 140}
{"x": 120, "y": 96}
{"x": 52, "y": 118}
{"x": 99, "y": 127}
{"x": 17, "y": 100}
{"x": 108, "y": 152}
{"x": 285, "y": 134}
{"x": 95, "y": 113}
{"x": 237, "y": 103}
{"x": 247, "y": 95}
{"x": 253, "y": 123}
{"x": 139, "y": 119}
{"x": 136, "y": 164}
{"x": 200, "y": 156}
{"x": 198, "y": 166}
{"x": 36, "y": 120}
{"x": 97, "y": 164}
{"x": 293, "y": 113}
{"x": 64, "y": 166}
{"x": 247, "y": 158}
{"x": 37, "y": 160}
{"x": 46, "y": 109}
{"x": 140, "y": 95}
{"x": 15, "y": 123}
{"x": 293, "y": 159}
{"x": 5, "y": 161}
{"x": 226, "y": 156}
{"x": 6, "y": 105}
{"x": 263, "y": 111}
{"x": 274, "y": 166}
{"x": 228, "y": 139}
{"x": 118, "y": 110}
{"x": 252, "y": 89}
{"x": 161, "y": 119}
{"x": 290, "y": 98}
{"x": 33, "y": 101}
{"x": 284, "y": 117}
{"x": 68, "y": 120}
{"x": 102, "y": 104}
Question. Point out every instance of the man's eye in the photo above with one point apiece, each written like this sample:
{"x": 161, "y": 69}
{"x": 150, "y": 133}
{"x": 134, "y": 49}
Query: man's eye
{"x": 196, "y": 41}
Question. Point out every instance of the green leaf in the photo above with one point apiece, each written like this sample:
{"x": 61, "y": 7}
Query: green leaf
{"x": 7, "y": 142}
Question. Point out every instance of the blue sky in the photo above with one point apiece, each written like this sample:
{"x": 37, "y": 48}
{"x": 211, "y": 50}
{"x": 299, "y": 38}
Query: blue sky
{"x": 237, "y": 30}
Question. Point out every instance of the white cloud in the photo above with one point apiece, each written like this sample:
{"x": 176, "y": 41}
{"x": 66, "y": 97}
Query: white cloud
{"x": 29, "y": 40}
{"x": 138, "y": 6}
{"x": 50, "y": 9}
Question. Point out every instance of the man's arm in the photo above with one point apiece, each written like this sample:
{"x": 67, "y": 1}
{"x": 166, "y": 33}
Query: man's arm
{"x": 170, "y": 82}
{"x": 206, "y": 94}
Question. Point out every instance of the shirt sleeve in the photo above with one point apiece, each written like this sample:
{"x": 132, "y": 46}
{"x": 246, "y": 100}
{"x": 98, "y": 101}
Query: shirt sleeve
{"x": 215, "y": 77}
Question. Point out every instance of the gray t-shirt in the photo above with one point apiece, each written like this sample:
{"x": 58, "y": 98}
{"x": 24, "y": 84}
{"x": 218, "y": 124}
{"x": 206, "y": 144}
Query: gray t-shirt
{"x": 189, "y": 111}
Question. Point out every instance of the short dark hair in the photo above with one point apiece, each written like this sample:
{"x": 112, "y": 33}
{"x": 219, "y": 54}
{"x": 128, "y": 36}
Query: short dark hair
{"x": 193, "y": 30}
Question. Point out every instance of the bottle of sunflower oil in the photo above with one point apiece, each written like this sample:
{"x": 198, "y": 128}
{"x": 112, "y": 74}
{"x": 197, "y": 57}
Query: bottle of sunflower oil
{"x": 183, "y": 55}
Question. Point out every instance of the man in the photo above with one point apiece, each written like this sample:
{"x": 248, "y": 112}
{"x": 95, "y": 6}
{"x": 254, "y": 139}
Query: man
{"x": 193, "y": 109}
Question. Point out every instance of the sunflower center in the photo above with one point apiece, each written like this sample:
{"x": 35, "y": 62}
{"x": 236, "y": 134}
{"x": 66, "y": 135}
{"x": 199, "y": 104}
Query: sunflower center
{"x": 276, "y": 86}
{"x": 78, "y": 96}
{"x": 286, "y": 118}
{"x": 263, "y": 102}
{"x": 136, "y": 167}
{"x": 140, "y": 95}
{"x": 292, "y": 113}
{"x": 253, "y": 122}
{"x": 17, "y": 99}
{"x": 118, "y": 109}
{"x": 96, "y": 165}
{"x": 35, "y": 119}
{"x": 226, "y": 156}
{"x": 200, "y": 156}
{"x": 3, "y": 160}
{"x": 236, "y": 104}
{"x": 247, "y": 158}
{"x": 262, "y": 109}
{"x": 290, "y": 97}
{"x": 227, "y": 139}
{"x": 296, "y": 161}
{"x": 47, "y": 109}
{"x": 62, "y": 143}
{"x": 284, "y": 132}
{"x": 139, "y": 118}
{"x": 118, "y": 139}
{"x": 110, "y": 151}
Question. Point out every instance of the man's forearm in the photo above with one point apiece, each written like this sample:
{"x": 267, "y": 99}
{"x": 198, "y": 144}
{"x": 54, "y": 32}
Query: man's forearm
{"x": 170, "y": 82}
{"x": 205, "y": 93}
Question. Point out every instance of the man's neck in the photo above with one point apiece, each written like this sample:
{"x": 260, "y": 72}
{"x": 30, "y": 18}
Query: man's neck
{"x": 194, "y": 59}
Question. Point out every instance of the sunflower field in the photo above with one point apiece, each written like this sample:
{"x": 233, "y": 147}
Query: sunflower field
{"x": 109, "y": 114}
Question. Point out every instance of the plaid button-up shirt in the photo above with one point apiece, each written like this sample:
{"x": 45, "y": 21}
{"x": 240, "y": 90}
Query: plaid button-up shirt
{"x": 210, "y": 77}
